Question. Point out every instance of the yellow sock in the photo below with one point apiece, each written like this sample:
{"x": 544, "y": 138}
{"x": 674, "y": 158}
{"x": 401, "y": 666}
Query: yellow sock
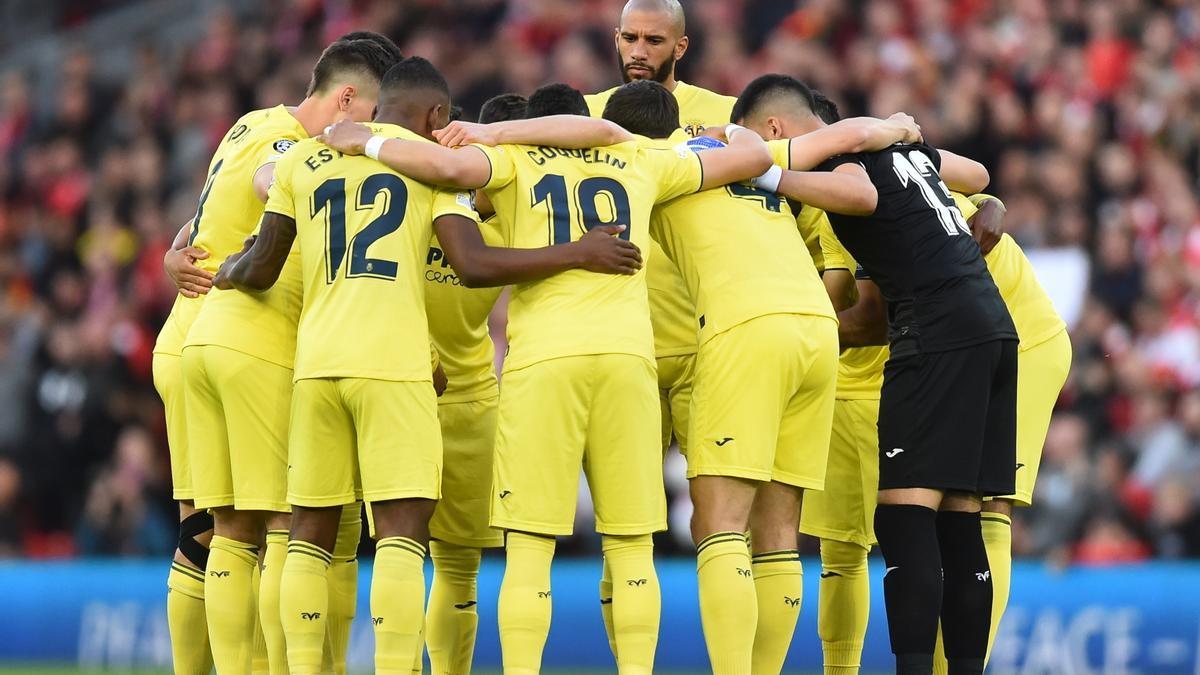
{"x": 268, "y": 601}
{"x": 304, "y": 605}
{"x": 185, "y": 621}
{"x": 636, "y": 601}
{"x": 343, "y": 585}
{"x": 229, "y": 602}
{"x": 418, "y": 666}
{"x": 258, "y": 656}
{"x": 779, "y": 587}
{"x": 524, "y": 607}
{"x": 606, "y": 612}
{"x": 997, "y": 539}
{"x": 397, "y": 603}
{"x": 452, "y": 619}
{"x": 940, "y": 666}
{"x": 843, "y": 605}
{"x": 728, "y": 602}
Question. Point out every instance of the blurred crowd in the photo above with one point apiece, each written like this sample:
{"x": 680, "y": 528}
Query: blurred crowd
{"x": 1087, "y": 113}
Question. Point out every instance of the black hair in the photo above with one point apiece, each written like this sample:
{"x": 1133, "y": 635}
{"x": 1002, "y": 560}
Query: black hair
{"x": 644, "y": 107}
{"x": 503, "y": 108}
{"x": 415, "y": 73}
{"x": 456, "y": 113}
{"x": 766, "y": 87}
{"x": 825, "y": 108}
{"x": 383, "y": 41}
{"x": 364, "y": 57}
{"x": 556, "y": 99}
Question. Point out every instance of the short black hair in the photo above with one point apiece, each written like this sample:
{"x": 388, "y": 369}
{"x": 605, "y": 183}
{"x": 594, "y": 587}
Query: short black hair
{"x": 415, "y": 73}
{"x": 766, "y": 88}
{"x": 825, "y": 108}
{"x": 503, "y": 108}
{"x": 456, "y": 113}
{"x": 644, "y": 107}
{"x": 363, "y": 57}
{"x": 556, "y": 99}
{"x": 383, "y": 41}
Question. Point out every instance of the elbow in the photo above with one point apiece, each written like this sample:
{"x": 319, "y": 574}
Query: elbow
{"x": 864, "y": 203}
{"x": 980, "y": 178}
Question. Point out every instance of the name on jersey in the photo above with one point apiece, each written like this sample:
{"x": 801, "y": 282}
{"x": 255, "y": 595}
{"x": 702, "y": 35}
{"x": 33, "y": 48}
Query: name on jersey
{"x": 588, "y": 155}
{"x": 435, "y": 263}
{"x": 322, "y": 156}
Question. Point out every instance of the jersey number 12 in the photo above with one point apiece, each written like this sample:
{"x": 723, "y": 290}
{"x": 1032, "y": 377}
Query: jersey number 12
{"x": 330, "y": 197}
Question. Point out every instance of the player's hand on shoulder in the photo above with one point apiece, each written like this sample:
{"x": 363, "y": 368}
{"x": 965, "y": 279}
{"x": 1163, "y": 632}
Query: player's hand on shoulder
{"x": 601, "y": 250}
{"x": 180, "y": 266}
{"x": 910, "y": 125}
{"x": 346, "y": 137}
{"x": 461, "y": 133}
{"x": 987, "y": 224}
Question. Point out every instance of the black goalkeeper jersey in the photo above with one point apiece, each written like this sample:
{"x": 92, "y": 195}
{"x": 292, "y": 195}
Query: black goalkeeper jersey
{"x": 918, "y": 248}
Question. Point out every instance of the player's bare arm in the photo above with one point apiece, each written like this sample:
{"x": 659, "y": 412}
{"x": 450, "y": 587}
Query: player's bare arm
{"x": 464, "y": 168}
{"x": 559, "y": 131}
{"x": 744, "y": 157}
{"x": 857, "y": 134}
{"x": 864, "y": 324}
{"x": 961, "y": 174}
{"x": 258, "y": 267}
{"x": 987, "y": 224}
{"x": 179, "y": 262}
{"x": 848, "y": 192}
{"x": 263, "y": 179}
{"x": 480, "y": 265}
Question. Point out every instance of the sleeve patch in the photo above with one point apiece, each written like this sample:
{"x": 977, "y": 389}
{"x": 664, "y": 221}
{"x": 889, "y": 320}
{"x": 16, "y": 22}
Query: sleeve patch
{"x": 281, "y": 146}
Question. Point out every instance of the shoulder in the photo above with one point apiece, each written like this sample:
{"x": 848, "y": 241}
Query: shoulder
{"x": 597, "y": 101}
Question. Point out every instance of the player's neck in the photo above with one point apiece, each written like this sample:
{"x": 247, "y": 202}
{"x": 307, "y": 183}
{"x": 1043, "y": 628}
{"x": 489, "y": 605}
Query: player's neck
{"x": 312, "y": 115}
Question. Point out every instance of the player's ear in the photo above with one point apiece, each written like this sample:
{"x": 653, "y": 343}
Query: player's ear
{"x": 775, "y": 127}
{"x": 681, "y": 47}
{"x": 346, "y": 97}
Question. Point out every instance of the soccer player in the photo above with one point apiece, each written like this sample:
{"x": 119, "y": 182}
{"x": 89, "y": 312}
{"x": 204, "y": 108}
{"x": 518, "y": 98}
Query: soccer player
{"x": 650, "y": 40}
{"x": 941, "y": 447}
{"x": 458, "y": 325}
{"x": 763, "y": 401}
{"x": 580, "y": 352}
{"x": 228, "y": 210}
{"x": 363, "y": 411}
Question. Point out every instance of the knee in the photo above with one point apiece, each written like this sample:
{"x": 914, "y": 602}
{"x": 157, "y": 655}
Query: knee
{"x": 843, "y": 558}
{"x": 403, "y": 518}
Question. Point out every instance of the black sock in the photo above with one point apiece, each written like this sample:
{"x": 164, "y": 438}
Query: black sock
{"x": 912, "y": 584}
{"x": 967, "y": 601}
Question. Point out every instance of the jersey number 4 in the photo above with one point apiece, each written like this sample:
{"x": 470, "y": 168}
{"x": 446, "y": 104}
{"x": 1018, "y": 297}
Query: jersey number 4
{"x": 552, "y": 189}
{"x": 331, "y": 198}
{"x": 918, "y": 169}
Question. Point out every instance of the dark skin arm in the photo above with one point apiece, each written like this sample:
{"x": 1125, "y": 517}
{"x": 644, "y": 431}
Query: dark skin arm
{"x": 861, "y": 324}
{"x": 257, "y": 266}
{"x": 480, "y": 265}
{"x": 987, "y": 224}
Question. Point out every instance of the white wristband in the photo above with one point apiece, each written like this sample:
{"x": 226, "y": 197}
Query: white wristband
{"x": 373, "y": 146}
{"x": 769, "y": 181}
{"x": 730, "y": 128}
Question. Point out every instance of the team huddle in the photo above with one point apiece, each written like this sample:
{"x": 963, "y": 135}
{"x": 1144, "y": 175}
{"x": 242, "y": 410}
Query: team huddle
{"x": 823, "y": 314}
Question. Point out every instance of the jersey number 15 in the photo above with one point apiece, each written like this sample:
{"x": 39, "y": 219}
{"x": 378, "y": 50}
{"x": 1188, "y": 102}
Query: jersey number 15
{"x": 918, "y": 169}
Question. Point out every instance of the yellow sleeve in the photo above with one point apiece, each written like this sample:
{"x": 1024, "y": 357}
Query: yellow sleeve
{"x": 273, "y": 151}
{"x": 503, "y": 168}
{"x": 679, "y": 172}
{"x": 978, "y": 199}
{"x": 279, "y": 197}
{"x": 836, "y": 256}
{"x": 781, "y": 152}
{"x": 966, "y": 205}
{"x": 492, "y": 231}
{"x": 453, "y": 203}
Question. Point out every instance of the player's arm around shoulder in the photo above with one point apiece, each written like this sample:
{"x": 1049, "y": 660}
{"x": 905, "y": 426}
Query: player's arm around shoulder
{"x": 464, "y": 168}
{"x": 962, "y": 174}
{"x": 744, "y": 157}
{"x": 559, "y": 131}
{"x": 846, "y": 190}
{"x": 258, "y": 265}
{"x": 851, "y": 136}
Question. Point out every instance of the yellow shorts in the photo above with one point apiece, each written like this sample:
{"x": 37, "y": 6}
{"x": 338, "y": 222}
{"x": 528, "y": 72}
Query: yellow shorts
{"x": 468, "y": 436}
{"x": 845, "y": 509}
{"x": 357, "y": 438}
{"x": 675, "y": 374}
{"x": 1041, "y": 373}
{"x": 238, "y": 408}
{"x": 762, "y": 405}
{"x": 594, "y": 411}
{"x": 167, "y": 370}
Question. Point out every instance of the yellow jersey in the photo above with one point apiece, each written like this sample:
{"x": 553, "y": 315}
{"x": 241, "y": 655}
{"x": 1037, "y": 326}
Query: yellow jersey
{"x": 810, "y": 221}
{"x": 547, "y": 196}
{"x": 229, "y": 210}
{"x": 741, "y": 257}
{"x": 672, "y": 313}
{"x": 1032, "y": 311}
{"x": 860, "y": 369}
{"x": 458, "y": 324}
{"x": 363, "y": 232}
